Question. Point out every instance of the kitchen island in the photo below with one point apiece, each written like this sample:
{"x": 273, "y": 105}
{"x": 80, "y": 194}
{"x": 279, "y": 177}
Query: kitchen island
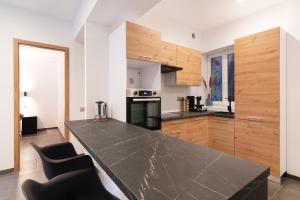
{"x": 148, "y": 165}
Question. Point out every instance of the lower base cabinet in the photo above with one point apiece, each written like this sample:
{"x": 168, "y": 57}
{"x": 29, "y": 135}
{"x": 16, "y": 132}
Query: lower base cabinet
{"x": 258, "y": 142}
{"x": 221, "y": 132}
{"x": 194, "y": 130}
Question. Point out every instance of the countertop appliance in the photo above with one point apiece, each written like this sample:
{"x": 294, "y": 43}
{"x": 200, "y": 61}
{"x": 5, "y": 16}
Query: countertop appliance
{"x": 102, "y": 110}
{"x": 144, "y": 108}
{"x": 194, "y": 104}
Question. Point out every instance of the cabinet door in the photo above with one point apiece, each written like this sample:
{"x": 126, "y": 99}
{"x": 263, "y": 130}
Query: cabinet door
{"x": 168, "y": 53}
{"x": 221, "y": 133}
{"x": 257, "y": 74}
{"x": 258, "y": 142}
{"x": 173, "y": 128}
{"x": 143, "y": 43}
{"x": 197, "y": 131}
{"x": 190, "y": 61}
{"x": 193, "y": 130}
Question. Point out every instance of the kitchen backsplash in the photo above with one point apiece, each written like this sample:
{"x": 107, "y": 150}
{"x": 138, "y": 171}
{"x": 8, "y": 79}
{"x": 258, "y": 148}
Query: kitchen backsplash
{"x": 169, "y": 95}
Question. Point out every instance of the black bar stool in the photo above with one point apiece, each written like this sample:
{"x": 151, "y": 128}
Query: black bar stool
{"x": 61, "y": 158}
{"x": 77, "y": 185}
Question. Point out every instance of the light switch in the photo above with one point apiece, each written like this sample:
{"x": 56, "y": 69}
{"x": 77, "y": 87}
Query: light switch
{"x": 82, "y": 109}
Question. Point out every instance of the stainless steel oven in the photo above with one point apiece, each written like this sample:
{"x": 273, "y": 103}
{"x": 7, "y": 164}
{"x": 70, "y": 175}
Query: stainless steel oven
{"x": 144, "y": 109}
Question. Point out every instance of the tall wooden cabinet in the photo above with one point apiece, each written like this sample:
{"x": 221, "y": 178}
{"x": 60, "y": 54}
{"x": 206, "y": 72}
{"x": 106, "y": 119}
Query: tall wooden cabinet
{"x": 260, "y": 92}
{"x": 257, "y": 76}
{"x": 259, "y": 142}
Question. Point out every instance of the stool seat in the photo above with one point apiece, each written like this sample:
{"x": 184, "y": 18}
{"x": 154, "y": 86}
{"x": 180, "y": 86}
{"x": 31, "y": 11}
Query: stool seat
{"x": 82, "y": 184}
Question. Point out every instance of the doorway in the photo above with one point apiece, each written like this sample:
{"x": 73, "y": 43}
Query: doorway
{"x": 25, "y": 91}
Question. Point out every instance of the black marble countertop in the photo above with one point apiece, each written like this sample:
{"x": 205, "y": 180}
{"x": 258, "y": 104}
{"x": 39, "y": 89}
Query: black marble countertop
{"x": 184, "y": 115}
{"x": 151, "y": 166}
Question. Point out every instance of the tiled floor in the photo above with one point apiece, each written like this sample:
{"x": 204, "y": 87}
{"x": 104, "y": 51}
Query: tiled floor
{"x": 31, "y": 169}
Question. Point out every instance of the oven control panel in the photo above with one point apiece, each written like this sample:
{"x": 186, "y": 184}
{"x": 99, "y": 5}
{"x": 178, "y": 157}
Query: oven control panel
{"x": 142, "y": 93}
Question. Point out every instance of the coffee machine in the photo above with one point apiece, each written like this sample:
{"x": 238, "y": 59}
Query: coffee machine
{"x": 194, "y": 104}
{"x": 102, "y": 110}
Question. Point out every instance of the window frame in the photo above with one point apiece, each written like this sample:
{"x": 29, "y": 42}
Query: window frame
{"x": 224, "y": 54}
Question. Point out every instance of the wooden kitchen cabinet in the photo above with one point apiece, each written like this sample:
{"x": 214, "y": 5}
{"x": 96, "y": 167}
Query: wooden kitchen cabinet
{"x": 197, "y": 131}
{"x": 173, "y": 128}
{"x": 221, "y": 134}
{"x": 168, "y": 53}
{"x": 260, "y": 123}
{"x": 259, "y": 142}
{"x": 143, "y": 43}
{"x": 190, "y": 61}
{"x": 257, "y": 76}
{"x": 194, "y": 130}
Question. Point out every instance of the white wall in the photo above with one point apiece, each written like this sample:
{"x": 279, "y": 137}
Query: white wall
{"x": 61, "y": 92}
{"x": 96, "y": 68}
{"x": 172, "y": 31}
{"x": 17, "y": 23}
{"x": 285, "y": 15}
{"x": 39, "y": 76}
{"x": 86, "y": 8}
{"x": 117, "y": 73}
{"x": 293, "y": 110}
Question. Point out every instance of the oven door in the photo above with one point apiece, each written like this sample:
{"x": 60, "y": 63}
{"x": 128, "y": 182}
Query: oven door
{"x": 144, "y": 112}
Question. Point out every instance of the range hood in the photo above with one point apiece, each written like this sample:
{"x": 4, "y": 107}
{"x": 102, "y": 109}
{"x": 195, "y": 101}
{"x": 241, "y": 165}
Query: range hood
{"x": 168, "y": 68}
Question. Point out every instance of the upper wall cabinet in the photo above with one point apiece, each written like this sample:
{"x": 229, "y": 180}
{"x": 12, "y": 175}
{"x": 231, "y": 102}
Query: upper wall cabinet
{"x": 190, "y": 61}
{"x": 168, "y": 53}
{"x": 143, "y": 43}
{"x": 257, "y": 76}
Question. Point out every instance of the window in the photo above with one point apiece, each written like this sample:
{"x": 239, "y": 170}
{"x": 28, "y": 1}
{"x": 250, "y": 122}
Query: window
{"x": 230, "y": 65}
{"x": 221, "y": 69}
{"x": 216, "y": 71}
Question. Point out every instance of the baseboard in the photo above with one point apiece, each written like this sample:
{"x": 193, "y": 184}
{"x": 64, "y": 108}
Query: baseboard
{"x": 44, "y": 129}
{"x": 292, "y": 177}
{"x": 6, "y": 171}
{"x": 275, "y": 179}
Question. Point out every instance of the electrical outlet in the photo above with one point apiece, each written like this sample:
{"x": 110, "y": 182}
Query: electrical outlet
{"x": 82, "y": 109}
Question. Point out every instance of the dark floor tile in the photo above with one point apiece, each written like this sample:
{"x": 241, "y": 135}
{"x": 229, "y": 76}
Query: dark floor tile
{"x": 273, "y": 188}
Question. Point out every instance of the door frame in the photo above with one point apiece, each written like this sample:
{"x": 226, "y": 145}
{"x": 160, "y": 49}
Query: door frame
{"x": 16, "y": 57}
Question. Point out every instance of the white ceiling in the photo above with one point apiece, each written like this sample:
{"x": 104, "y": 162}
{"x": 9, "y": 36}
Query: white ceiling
{"x": 197, "y": 14}
{"x": 112, "y": 13}
{"x": 63, "y": 9}
{"x": 206, "y": 14}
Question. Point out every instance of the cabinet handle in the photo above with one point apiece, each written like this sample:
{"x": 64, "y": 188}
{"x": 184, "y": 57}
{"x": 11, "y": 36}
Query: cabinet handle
{"x": 146, "y": 57}
{"x": 255, "y": 119}
{"x": 255, "y": 124}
